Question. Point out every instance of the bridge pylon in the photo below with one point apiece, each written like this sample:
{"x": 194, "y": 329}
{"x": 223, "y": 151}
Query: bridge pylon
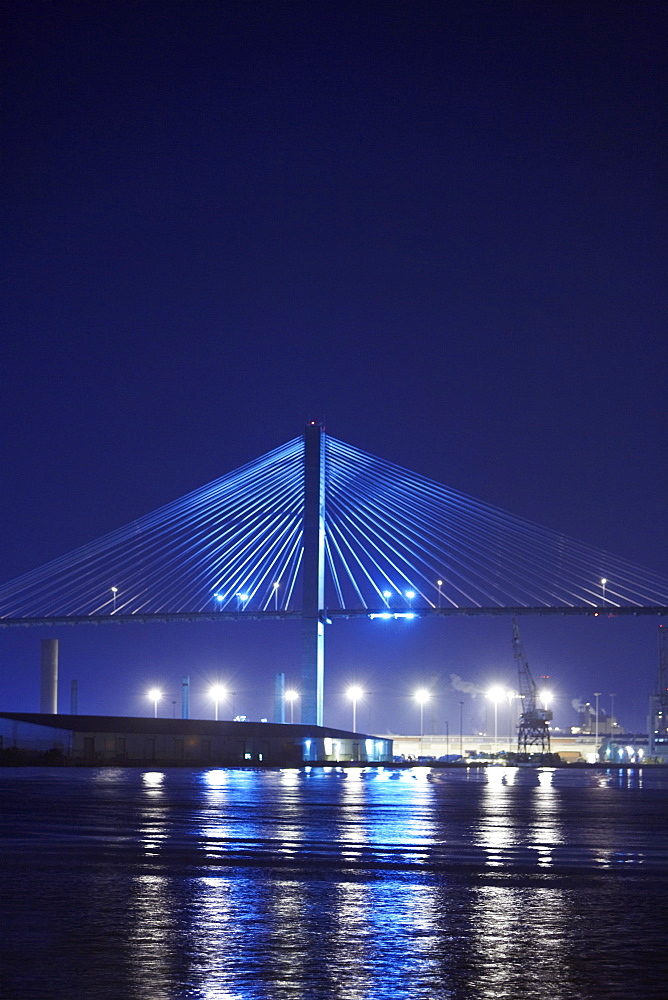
{"x": 313, "y": 603}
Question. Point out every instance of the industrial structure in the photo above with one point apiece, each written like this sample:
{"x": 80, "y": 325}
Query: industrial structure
{"x": 533, "y": 731}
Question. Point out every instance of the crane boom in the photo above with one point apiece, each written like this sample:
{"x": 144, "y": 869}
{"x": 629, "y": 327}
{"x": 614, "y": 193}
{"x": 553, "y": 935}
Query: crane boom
{"x": 533, "y": 731}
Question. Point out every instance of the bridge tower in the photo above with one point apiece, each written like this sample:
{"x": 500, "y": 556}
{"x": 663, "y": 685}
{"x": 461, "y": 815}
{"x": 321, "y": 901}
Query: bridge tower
{"x": 313, "y": 572}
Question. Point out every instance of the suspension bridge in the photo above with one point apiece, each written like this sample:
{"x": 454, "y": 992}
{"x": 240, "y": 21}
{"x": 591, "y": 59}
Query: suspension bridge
{"x": 318, "y": 529}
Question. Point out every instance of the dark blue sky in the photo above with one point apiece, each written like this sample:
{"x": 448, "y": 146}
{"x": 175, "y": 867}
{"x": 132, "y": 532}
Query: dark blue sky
{"x": 440, "y": 227}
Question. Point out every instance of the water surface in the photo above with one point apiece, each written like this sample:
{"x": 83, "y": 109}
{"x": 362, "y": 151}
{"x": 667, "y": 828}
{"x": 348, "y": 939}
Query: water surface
{"x": 333, "y": 884}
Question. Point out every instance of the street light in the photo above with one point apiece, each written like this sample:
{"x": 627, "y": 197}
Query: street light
{"x": 219, "y": 600}
{"x": 439, "y": 584}
{"x": 495, "y": 694}
{"x": 155, "y": 694}
{"x": 291, "y": 696}
{"x": 387, "y": 594}
{"x": 276, "y": 586}
{"x": 422, "y": 696}
{"x": 114, "y": 591}
{"x": 410, "y": 594}
{"x": 218, "y": 693}
{"x": 355, "y": 692}
{"x": 603, "y": 583}
{"x": 242, "y": 599}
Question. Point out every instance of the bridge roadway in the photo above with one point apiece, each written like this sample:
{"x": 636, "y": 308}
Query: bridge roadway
{"x": 591, "y": 611}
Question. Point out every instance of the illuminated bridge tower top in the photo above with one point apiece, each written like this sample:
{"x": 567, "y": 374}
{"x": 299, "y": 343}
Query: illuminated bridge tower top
{"x": 313, "y": 601}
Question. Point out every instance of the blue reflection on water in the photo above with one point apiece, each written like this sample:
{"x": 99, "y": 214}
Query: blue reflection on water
{"x": 334, "y": 883}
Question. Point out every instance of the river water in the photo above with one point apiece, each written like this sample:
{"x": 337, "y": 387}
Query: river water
{"x": 331, "y": 883}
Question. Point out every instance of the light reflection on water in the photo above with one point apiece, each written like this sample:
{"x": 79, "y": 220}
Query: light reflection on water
{"x": 335, "y": 884}
{"x": 151, "y": 933}
{"x": 516, "y": 930}
{"x": 546, "y": 829}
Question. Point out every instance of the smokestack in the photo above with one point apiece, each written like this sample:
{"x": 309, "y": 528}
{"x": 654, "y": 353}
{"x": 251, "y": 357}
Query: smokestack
{"x": 48, "y": 700}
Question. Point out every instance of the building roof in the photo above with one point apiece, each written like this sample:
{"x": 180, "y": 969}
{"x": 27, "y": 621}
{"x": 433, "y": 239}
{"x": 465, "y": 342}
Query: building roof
{"x": 178, "y": 727}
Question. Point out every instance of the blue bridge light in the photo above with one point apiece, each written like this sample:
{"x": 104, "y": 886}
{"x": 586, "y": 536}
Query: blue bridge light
{"x": 392, "y": 614}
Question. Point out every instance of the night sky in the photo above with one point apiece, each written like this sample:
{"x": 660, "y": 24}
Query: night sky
{"x": 440, "y": 228}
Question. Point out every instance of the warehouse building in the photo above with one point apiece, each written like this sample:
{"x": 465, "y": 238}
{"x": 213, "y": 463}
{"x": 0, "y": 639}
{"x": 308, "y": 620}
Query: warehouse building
{"x": 118, "y": 740}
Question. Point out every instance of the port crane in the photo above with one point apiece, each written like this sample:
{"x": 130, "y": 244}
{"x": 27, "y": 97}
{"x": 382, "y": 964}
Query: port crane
{"x": 533, "y": 731}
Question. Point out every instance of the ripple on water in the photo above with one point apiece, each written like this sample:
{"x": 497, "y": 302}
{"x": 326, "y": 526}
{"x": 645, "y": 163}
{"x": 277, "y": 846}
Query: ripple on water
{"x": 273, "y": 884}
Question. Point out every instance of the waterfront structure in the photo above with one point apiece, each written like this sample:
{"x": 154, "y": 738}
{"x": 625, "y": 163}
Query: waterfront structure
{"x": 120, "y": 740}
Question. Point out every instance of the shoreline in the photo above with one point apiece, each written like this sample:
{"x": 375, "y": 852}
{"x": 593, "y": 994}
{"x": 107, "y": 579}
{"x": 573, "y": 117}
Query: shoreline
{"x": 11, "y": 758}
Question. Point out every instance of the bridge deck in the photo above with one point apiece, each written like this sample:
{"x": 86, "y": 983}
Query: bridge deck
{"x": 343, "y": 613}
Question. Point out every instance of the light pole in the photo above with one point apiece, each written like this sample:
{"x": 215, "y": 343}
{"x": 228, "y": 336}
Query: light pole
{"x": 291, "y": 696}
{"x": 114, "y": 591}
{"x": 219, "y": 601}
{"x": 439, "y": 584}
{"x": 242, "y": 601}
{"x": 276, "y": 586}
{"x": 597, "y": 695}
{"x": 603, "y": 583}
{"x": 494, "y": 694}
{"x": 355, "y": 692}
{"x": 387, "y": 594}
{"x": 461, "y": 729}
{"x": 218, "y": 693}
{"x": 511, "y": 698}
{"x": 155, "y": 694}
{"x": 422, "y": 696}
{"x": 410, "y": 594}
